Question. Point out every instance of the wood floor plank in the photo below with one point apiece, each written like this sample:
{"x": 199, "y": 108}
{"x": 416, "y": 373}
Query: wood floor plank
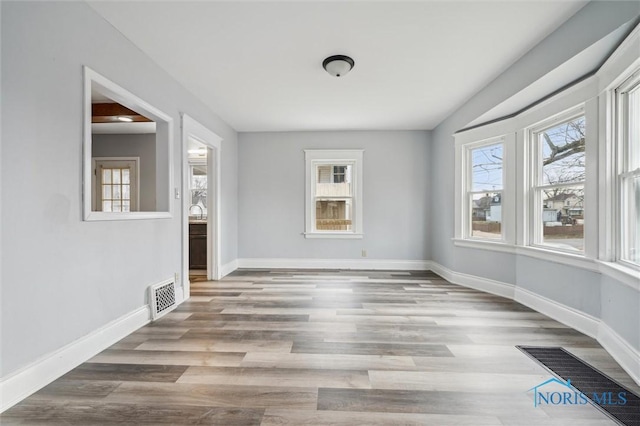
{"x": 435, "y": 402}
{"x": 215, "y": 345}
{"x": 328, "y": 361}
{"x": 126, "y": 372}
{"x": 248, "y": 318}
{"x": 213, "y": 359}
{"x": 225, "y": 396}
{"x": 305, "y": 378}
{"x": 63, "y": 389}
{"x": 274, "y": 417}
{"x": 455, "y": 382}
{"x": 357, "y": 348}
{"x": 64, "y": 413}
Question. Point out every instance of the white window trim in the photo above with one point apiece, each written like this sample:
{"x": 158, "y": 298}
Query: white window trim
{"x": 533, "y": 165}
{"x": 620, "y": 169}
{"x": 465, "y": 142}
{"x": 354, "y": 157}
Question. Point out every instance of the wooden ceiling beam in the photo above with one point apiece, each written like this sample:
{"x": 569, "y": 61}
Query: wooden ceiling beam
{"x": 109, "y": 113}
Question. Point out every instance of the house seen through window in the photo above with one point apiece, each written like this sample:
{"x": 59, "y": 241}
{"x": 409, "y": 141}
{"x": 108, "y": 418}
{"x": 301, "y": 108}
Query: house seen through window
{"x": 485, "y": 191}
{"x": 558, "y": 184}
{"x": 333, "y": 206}
{"x": 333, "y": 198}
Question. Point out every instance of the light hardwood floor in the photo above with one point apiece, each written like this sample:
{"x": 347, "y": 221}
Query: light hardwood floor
{"x": 324, "y": 348}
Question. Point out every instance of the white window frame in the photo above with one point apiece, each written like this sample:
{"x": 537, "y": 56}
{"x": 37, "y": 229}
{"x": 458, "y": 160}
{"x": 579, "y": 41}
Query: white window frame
{"x": 534, "y": 190}
{"x": 469, "y": 192}
{"x": 352, "y": 157}
{"x": 164, "y": 149}
{"x": 465, "y": 142}
{"x": 116, "y": 162}
{"x": 623, "y": 173}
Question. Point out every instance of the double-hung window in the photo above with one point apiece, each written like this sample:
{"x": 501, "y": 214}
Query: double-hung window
{"x": 484, "y": 190}
{"x": 628, "y": 179}
{"x": 558, "y": 182}
{"x": 333, "y": 193}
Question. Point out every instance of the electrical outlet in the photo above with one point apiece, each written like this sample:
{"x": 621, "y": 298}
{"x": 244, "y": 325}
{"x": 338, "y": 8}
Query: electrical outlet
{"x": 176, "y": 277}
{"x": 364, "y": 253}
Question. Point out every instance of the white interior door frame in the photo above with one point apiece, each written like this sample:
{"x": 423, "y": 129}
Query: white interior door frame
{"x": 193, "y": 129}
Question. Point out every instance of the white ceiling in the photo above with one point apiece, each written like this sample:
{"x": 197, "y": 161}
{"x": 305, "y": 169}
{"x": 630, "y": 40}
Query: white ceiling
{"x": 258, "y": 65}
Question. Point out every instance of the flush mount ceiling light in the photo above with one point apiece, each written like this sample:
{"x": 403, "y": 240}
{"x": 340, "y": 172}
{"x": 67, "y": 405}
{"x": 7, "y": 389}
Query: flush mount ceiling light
{"x": 338, "y": 65}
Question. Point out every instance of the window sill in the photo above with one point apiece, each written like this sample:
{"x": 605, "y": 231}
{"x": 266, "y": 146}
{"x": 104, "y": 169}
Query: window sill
{"x": 485, "y": 245}
{"x": 105, "y": 216}
{"x": 535, "y": 252}
{"x": 625, "y": 274}
{"x": 558, "y": 256}
{"x": 333, "y": 235}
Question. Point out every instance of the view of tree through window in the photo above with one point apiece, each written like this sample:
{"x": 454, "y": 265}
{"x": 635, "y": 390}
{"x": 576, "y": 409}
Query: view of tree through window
{"x": 560, "y": 188}
{"x": 485, "y": 194}
{"x": 198, "y": 187}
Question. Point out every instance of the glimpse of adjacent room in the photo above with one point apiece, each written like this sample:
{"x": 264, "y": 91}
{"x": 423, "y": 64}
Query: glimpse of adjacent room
{"x": 197, "y": 196}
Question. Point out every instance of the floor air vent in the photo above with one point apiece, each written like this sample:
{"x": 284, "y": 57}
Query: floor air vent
{"x": 163, "y": 298}
{"x": 601, "y": 390}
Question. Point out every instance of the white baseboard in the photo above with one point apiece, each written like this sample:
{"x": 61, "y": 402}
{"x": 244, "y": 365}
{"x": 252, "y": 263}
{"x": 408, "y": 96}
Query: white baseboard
{"x": 620, "y": 350}
{"x": 228, "y": 268}
{"x": 616, "y": 346}
{"x": 33, "y": 377}
{"x": 356, "y": 264}
{"x": 574, "y": 318}
{"x": 483, "y": 284}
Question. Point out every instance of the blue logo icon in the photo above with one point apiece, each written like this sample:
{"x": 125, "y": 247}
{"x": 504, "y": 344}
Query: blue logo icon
{"x": 558, "y": 392}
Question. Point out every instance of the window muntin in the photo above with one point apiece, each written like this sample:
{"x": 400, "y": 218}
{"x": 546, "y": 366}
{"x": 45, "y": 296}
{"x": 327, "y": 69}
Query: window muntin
{"x": 628, "y": 177}
{"x": 485, "y": 177}
{"x": 116, "y": 189}
{"x": 558, "y": 183}
{"x": 115, "y": 184}
{"x": 339, "y": 173}
{"x": 334, "y": 194}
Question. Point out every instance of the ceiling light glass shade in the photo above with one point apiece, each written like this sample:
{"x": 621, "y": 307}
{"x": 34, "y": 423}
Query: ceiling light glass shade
{"x": 338, "y": 65}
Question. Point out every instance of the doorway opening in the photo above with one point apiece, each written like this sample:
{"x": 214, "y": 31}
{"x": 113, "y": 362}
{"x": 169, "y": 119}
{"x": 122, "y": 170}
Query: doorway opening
{"x": 201, "y": 204}
{"x": 198, "y": 212}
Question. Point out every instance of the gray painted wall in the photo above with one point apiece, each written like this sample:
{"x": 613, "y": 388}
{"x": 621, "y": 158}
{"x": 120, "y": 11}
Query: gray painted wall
{"x": 142, "y": 146}
{"x": 63, "y": 278}
{"x": 396, "y": 197}
{"x": 620, "y": 309}
{"x": 570, "y": 286}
